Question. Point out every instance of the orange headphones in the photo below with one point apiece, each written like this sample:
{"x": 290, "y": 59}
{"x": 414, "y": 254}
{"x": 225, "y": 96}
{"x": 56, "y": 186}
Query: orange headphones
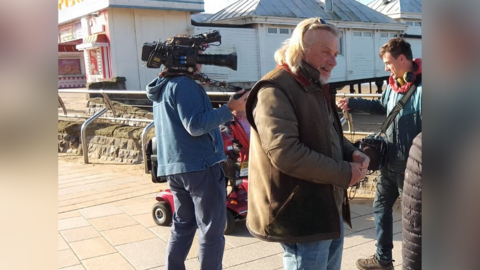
{"x": 407, "y": 78}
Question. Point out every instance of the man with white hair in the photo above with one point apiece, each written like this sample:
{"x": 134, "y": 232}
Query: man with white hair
{"x": 300, "y": 162}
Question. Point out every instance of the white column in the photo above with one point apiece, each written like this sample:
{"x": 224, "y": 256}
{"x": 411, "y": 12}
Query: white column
{"x": 261, "y": 50}
{"x": 85, "y": 26}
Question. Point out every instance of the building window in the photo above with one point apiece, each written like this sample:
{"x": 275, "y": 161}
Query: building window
{"x": 409, "y": 23}
{"x": 392, "y": 34}
{"x": 272, "y": 30}
{"x": 384, "y": 35}
{"x": 418, "y": 23}
{"x": 367, "y": 34}
{"x": 357, "y": 34}
{"x": 284, "y": 31}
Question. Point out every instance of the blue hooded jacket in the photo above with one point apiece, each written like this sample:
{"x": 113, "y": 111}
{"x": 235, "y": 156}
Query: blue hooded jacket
{"x": 186, "y": 125}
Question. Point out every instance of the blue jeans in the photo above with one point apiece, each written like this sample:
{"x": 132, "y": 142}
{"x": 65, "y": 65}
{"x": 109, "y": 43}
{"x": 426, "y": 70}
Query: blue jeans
{"x": 200, "y": 201}
{"x": 320, "y": 255}
{"x": 389, "y": 188}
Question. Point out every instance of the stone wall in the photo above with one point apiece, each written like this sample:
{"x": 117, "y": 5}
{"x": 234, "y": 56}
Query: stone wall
{"x": 122, "y": 110}
{"x": 108, "y": 142}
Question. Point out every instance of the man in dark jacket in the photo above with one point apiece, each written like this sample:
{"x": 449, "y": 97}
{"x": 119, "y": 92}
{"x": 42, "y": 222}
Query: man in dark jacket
{"x": 412, "y": 209}
{"x": 397, "y": 56}
{"x": 300, "y": 162}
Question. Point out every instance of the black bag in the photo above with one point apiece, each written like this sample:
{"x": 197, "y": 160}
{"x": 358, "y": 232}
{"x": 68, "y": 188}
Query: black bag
{"x": 375, "y": 146}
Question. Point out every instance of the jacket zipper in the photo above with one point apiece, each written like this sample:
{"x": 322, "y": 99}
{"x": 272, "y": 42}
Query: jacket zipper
{"x": 288, "y": 199}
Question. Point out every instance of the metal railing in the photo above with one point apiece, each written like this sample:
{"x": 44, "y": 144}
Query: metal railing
{"x": 109, "y": 106}
{"x": 83, "y": 134}
{"x": 144, "y": 144}
{"x": 346, "y": 119}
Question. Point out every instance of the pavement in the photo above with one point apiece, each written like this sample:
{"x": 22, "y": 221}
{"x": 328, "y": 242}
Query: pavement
{"x": 105, "y": 222}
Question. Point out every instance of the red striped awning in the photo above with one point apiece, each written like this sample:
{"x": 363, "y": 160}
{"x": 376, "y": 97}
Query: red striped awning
{"x": 93, "y": 41}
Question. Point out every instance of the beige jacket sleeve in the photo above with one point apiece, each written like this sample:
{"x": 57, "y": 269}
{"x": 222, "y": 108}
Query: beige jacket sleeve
{"x": 278, "y": 131}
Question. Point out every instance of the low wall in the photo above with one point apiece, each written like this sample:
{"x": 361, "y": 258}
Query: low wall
{"x": 108, "y": 142}
{"x": 94, "y": 105}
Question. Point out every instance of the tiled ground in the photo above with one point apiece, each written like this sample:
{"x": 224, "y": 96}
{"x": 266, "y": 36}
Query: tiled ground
{"x": 104, "y": 222}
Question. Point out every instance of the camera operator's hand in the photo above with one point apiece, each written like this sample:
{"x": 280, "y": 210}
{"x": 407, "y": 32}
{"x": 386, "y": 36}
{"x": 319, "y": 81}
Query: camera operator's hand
{"x": 238, "y": 104}
{"x": 358, "y": 173}
{"x": 343, "y": 104}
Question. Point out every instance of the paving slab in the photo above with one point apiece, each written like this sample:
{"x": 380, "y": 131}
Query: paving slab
{"x": 69, "y": 214}
{"x": 92, "y": 248}
{"x": 127, "y": 235}
{"x": 79, "y": 234}
{"x": 144, "y": 254}
{"x": 361, "y": 210}
{"x": 100, "y": 211}
{"x": 240, "y": 237}
{"x": 267, "y": 263}
{"x": 252, "y": 252}
{"x": 113, "y": 222}
{"x": 112, "y": 261}
{"x": 75, "y": 267}
{"x": 70, "y": 223}
{"x": 135, "y": 200}
{"x": 61, "y": 243}
{"x": 361, "y": 223}
{"x": 146, "y": 220}
{"x": 67, "y": 258}
{"x": 138, "y": 208}
{"x": 163, "y": 232}
{"x": 93, "y": 186}
{"x": 99, "y": 194}
{"x": 81, "y": 181}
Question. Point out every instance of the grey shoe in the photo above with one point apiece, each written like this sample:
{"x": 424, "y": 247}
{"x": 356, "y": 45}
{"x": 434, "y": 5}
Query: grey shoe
{"x": 372, "y": 263}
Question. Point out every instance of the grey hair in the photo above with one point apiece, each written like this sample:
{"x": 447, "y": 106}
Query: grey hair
{"x": 294, "y": 48}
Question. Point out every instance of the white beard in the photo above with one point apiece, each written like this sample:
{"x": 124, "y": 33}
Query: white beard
{"x": 323, "y": 80}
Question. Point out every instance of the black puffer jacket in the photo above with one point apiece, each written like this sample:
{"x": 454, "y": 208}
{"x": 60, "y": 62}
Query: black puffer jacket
{"x": 412, "y": 208}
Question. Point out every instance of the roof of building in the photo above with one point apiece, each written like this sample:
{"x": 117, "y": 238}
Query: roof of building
{"x": 343, "y": 10}
{"x": 198, "y": 17}
{"x": 396, "y": 6}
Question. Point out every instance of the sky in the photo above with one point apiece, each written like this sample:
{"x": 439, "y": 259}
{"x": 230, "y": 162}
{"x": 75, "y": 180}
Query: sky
{"x": 213, "y": 6}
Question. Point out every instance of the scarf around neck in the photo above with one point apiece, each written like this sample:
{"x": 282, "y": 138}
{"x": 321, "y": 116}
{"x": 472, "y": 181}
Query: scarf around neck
{"x": 417, "y": 63}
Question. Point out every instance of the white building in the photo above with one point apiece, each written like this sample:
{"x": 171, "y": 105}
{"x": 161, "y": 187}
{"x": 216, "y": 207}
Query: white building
{"x": 100, "y": 39}
{"x": 408, "y": 12}
{"x": 261, "y": 26}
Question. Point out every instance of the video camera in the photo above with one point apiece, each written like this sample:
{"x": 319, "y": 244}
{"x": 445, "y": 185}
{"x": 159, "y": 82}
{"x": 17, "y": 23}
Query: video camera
{"x": 180, "y": 54}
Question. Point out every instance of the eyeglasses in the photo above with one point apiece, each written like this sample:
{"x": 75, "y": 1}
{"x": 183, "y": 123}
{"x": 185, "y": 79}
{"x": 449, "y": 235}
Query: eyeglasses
{"x": 316, "y": 20}
{"x": 322, "y": 21}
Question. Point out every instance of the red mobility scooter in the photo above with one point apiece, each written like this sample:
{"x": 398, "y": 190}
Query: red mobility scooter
{"x": 236, "y": 145}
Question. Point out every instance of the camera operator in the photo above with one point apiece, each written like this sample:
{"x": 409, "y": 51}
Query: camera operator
{"x": 190, "y": 155}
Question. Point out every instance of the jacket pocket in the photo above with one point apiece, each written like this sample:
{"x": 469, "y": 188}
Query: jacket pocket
{"x": 287, "y": 201}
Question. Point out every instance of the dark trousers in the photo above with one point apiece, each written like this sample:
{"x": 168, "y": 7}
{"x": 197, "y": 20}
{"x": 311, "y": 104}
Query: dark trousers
{"x": 389, "y": 188}
{"x": 200, "y": 202}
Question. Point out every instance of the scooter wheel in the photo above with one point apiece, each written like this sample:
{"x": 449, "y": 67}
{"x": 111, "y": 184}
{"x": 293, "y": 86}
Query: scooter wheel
{"x": 162, "y": 215}
{"x": 230, "y": 224}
